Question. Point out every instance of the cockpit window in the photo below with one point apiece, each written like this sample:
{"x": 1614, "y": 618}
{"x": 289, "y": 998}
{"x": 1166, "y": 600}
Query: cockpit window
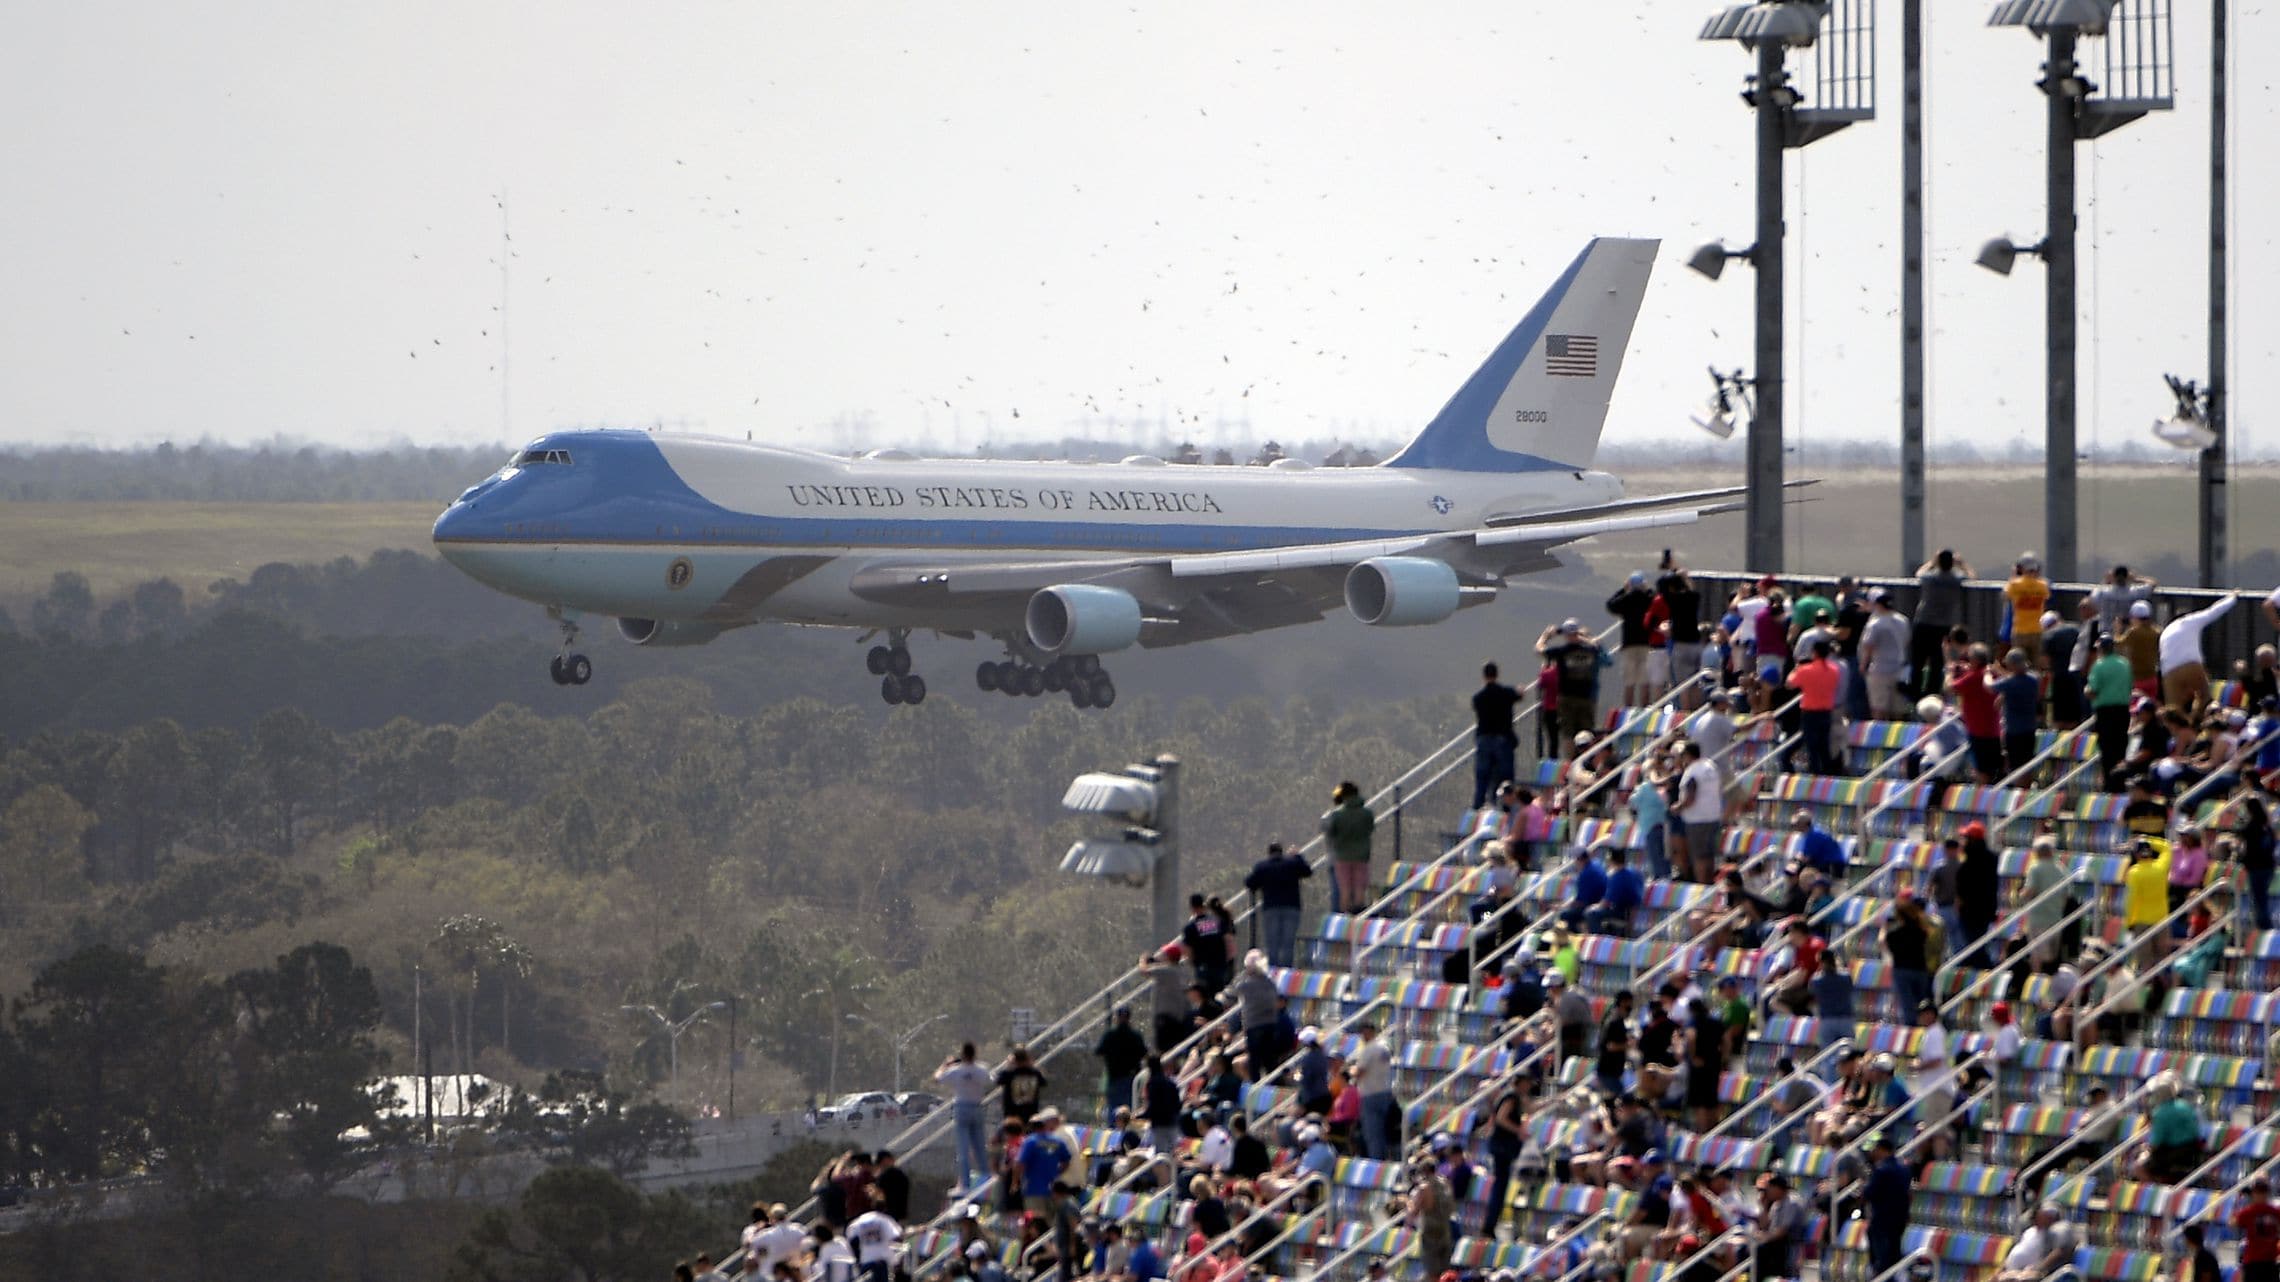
{"x": 533, "y": 458}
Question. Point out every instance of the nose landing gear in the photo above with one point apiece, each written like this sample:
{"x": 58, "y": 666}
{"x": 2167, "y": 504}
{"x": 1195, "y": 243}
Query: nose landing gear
{"x": 568, "y": 668}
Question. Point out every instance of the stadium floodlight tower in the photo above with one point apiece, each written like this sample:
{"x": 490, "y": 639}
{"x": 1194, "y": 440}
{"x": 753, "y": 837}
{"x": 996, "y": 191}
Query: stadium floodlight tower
{"x": 2138, "y": 79}
{"x": 1140, "y": 847}
{"x": 1843, "y": 92}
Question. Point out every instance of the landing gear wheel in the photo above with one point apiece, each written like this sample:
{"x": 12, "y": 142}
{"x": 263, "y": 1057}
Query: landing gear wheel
{"x": 898, "y": 661}
{"x": 1102, "y": 690}
{"x": 1032, "y": 682}
{"x": 554, "y": 669}
{"x": 1009, "y": 678}
{"x": 986, "y": 677}
{"x": 891, "y": 688}
{"x": 876, "y": 660}
{"x": 914, "y": 689}
{"x": 578, "y": 669}
{"x": 1057, "y": 676}
{"x": 1085, "y": 665}
{"x": 1080, "y": 693}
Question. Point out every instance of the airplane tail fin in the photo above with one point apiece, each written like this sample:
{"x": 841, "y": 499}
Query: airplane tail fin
{"x": 1540, "y": 399}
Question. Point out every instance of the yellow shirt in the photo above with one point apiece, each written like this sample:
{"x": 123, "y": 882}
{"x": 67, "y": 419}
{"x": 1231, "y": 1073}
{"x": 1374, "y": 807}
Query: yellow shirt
{"x": 2028, "y": 594}
{"x": 2145, "y": 889}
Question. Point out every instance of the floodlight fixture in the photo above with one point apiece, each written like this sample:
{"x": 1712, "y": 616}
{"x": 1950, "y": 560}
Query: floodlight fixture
{"x": 2000, "y": 253}
{"x": 2041, "y": 17}
{"x": 1727, "y": 406}
{"x": 1794, "y": 24}
{"x": 1710, "y": 260}
{"x": 2188, "y": 428}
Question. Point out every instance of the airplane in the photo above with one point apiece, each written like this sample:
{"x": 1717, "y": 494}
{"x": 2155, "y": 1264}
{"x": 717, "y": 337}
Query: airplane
{"x": 681, "y": 538}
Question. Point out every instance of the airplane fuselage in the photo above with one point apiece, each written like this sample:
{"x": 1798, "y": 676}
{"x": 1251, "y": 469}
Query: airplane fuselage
{"x": 701, "y": 530}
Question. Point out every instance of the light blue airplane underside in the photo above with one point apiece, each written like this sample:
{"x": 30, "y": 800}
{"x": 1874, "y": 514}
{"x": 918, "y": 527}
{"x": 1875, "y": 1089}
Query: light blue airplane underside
{"x": 681, "y": 538}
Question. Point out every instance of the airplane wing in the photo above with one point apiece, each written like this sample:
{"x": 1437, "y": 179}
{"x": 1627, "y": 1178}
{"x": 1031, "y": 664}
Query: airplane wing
{"x": 1204, "y": 595}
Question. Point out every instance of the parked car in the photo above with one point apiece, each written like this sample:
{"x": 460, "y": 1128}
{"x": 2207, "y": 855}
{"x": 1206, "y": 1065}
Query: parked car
{"x": 918, "y": 1103}
{"x": 862, "y": 1106}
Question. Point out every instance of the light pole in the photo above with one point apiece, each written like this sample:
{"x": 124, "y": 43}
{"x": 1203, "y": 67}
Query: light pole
{"x": 2137, "y": 61}
{"x": 1843, "y": 92}
{"x": 901, "y": 1042}
{"x": 1140, "y": 847}
{"x": 674, "y": 1028}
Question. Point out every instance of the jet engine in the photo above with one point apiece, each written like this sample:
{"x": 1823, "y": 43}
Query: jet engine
{"x": 1402, "y": 591}
{"x": 668, "y": 633}
{"x": 1081, "y": 618}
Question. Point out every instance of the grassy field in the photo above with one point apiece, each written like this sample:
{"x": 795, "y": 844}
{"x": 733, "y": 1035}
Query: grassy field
{"x": 1849, "y": 522}
{"x": 117, "y": 545}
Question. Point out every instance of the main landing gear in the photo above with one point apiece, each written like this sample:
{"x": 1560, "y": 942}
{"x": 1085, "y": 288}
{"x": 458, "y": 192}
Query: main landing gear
{"x": 1077, "y": 675}
{"x": 891, "y": 663}
{"x": 569, "y": 668}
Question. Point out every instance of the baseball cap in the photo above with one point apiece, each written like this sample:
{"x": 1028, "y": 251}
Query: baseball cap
{"x": 977, "y": 1250}
{"x": 1721, "y": 696}
{"x": 1652, "y": 1157}
{"x": 2001, "y": 1011}
{"x": 1973, "y": 829}
{"x": 1637, "y": 578}
{"x": 1879, "y": 595}
{"x": 1556, "y": 979}
{"x": 1309, "y": 1035}
{"x": 1571, "y": 625}
{"x": 1884, "y": 1063}
{"x": 2141, "y": 610}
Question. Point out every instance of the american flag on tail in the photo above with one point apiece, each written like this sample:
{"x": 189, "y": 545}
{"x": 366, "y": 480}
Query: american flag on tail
{"x": 1571, "y": 355}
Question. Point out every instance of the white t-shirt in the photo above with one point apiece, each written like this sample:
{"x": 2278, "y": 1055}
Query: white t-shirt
{"x": 2004, "y": 1046}
{"x": 875, "y": 1237}
{"x": 1217, "y": 1152}
{"x": 1373, "y": 1068}
{"x": 1932, "y": 1061}
{"x": 1709, "y": 801}
{"x": 968, "y": 1083}
{"x": 2181, "y": 639}
{"x": 775, "y": 1244}
{"x": 833, "y": 1261}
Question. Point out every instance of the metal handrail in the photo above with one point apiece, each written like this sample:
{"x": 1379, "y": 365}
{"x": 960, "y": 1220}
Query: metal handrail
{"x": 1396, "y": 796}
{"x": 1639, "y": 983}
{"x": 1354, "y": 964}
{"x": 2173, "y": 956}
{"x": 2241, "y": 752}
{"x": 2026, "y": 808}
{"x": 1330, "y": 1266}
{"x": 2059, "y": 740}
{"x": 1856, "y": 890}
{"x": 1900, "y": 756}
{"x": 1987, "y": 975}
{"x": 2247, "y": 1133}
{"x": 1298, "y": 1222}
{"x": 1556, "y": 1243}
{"x": 1923, "y": 1133}
{"x": 1259, "y": 1212}
{"x": 1771, "y": 1089}
{"x": 1335, "y": 1029}
{"x": 1484, "y": 1051}
{"x": 2155, "y": 931}
{"x": 1477, "y": 975}
{"x": 1932, "y": 771}
{"x": 2048, "y": 1160}
{"x": 2002, "y": 924}
{"x": 1751, "y": 720}
{"x": 2262, "y": 1172}
{"x": 1629, "y": 717}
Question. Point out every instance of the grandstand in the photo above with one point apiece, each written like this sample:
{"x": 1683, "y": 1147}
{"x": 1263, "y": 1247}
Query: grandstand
{"x": 2053, "y": 1108}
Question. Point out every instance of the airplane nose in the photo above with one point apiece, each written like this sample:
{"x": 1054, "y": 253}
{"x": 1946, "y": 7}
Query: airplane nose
{"x": 452, "y": 529}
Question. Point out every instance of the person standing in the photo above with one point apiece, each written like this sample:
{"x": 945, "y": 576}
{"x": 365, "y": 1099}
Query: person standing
{"x": 1630, "y": 604}
{"x": 1373, "y": 1079}
{"x": 1905, "y": 943}
{"x": 1682, "y": 602}
{"x": 1275, "y": 880}
{"x": 2018, "y": 696}
{"x": 1494, "y": 741}
{"x": 1817, "y": 682}
{"x": 1160, "y": 1107}
{"x": 1982, "y": 717}
{"x": 2108, "y": 688}
{"x": 2184, "y": 679}
{"x": 1702, "y": 812}
{"x": 1349, "y": 826}
{"x": 1255, "y": 998}
{"x": 2115, "y": 599}
{"x": 969, "y": 1086}
{"x": 1507, "y": 1138}
{"x": 2027, "y": 592}
{"x": 2256, "y": 857}
{"x": 2140, "y": 643}
{"x": 1579, "y": 661}
{"x": 1884, "y": 657}
{"x": 2258, "y": 1222}
{"x": 1205, "y": 938}
{"x": 2059, "y": 638}
{"x": 1939, "y": 606}
{"x": 1891, "y": 1187}
{"x": 1123, "y": 1053}
{"x": 1022, "y": 1084}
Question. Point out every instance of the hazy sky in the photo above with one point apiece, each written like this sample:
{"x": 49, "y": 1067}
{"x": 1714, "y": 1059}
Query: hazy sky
{"x": 239, "y": 220}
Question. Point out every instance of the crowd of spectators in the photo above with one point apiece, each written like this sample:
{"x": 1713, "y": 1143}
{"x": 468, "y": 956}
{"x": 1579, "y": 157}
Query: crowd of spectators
{"x": 1176, "y": 1108}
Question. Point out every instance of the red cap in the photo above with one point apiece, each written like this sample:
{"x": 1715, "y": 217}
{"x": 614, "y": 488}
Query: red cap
{"x": 2001, "y": 1011}
{"x": 1975, "y": 829}
{"x": 1905, "y": 897}
{"x": 1769, "y": 581}
{"x": 1689, "y": 1242}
